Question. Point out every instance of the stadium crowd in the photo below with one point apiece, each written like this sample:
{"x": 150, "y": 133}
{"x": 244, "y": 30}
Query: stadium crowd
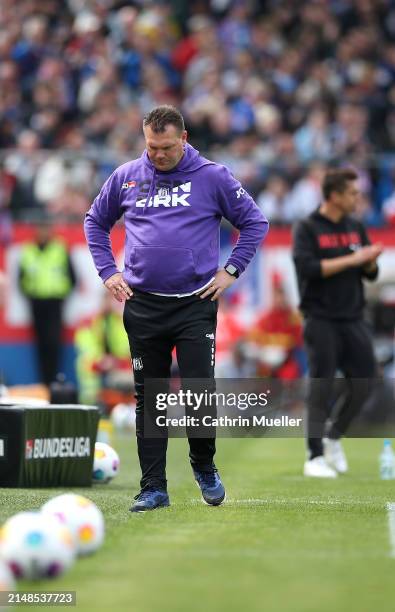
{"x": 274, "y": 89}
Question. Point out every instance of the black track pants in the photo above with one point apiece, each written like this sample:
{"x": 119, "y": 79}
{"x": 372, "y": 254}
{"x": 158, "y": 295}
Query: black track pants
{"x": 332, "y": 346}
{"x": 155, "y": 325}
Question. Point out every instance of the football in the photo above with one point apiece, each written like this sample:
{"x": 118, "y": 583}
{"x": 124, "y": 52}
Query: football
{"x": 82, "y": 517}
{"x": 123, "y": 417}
{"x": 35, "y": 546}
{"x": 106, "y": 463}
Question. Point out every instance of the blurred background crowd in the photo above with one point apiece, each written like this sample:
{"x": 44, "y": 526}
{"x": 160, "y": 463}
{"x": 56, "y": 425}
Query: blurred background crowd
{"x": 277, "y": 90}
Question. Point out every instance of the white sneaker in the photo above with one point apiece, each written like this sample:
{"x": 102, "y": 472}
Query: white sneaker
{"x": 318, "y": 468}
{"x": 334, "y": 455}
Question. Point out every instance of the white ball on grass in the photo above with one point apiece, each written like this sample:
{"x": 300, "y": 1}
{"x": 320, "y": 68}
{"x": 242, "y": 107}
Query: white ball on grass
{"x": 82, "y": 517}
{"x": 123, "y": 417}
{"x": 35, "y": 546}
{"x": 105, "y": 464}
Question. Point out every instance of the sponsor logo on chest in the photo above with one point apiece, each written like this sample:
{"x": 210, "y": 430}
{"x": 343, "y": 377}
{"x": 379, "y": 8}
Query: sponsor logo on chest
{"x": 168, "y": 197}
{"x": 340, "y": 240}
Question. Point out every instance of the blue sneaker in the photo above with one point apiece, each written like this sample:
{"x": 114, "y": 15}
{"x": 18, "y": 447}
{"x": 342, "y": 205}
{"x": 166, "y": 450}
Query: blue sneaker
{"x": 149, "y": 499}
{"x": 213, "y": 491}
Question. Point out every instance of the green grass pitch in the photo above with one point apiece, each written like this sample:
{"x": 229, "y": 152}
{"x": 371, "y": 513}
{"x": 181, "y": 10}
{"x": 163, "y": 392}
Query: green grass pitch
{"x": 280, "y": 543}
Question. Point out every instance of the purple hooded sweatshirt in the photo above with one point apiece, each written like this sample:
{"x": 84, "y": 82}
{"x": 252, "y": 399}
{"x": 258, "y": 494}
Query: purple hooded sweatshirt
{"x": 172, "y": 222}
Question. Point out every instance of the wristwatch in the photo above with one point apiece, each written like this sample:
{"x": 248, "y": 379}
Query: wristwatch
{"x": 232, "y": 270}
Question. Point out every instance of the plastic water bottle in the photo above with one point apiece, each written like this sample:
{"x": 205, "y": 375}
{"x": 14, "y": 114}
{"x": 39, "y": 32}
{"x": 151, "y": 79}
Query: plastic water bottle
{"x": 387, "y": 462}
{"x": 3, "y": 388}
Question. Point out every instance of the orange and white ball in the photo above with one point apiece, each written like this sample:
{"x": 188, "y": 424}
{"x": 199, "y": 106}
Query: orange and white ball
{"x": 82, "y": 517}
{"x": 105, "y": 464}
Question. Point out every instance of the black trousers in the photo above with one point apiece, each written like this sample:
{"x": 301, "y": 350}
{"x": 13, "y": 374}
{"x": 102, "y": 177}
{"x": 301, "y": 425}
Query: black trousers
{"x": 155, "y": 325}
{"x": 332, "y": 346}
{"x": 47, "y": 322}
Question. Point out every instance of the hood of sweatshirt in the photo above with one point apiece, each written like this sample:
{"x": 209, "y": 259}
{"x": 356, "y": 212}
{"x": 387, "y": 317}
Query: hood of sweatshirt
{"x": 189, "y": 162}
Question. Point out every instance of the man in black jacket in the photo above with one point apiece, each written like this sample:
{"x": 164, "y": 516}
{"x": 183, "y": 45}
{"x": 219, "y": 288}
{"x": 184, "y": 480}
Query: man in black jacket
{"x": 332, "y": 255}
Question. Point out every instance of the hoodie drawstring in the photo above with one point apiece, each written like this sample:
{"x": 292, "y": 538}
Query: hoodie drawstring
{"x": 151, "y": 190}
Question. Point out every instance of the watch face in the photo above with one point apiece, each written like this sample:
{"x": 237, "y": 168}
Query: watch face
{"x": 231, "y": 269}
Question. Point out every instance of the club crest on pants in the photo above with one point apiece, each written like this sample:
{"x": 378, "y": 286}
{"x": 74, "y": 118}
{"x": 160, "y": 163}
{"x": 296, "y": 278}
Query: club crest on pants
{"x": 137, "y": 363}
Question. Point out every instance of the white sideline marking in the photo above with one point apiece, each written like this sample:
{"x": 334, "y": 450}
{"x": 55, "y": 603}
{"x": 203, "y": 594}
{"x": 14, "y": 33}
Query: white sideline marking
{"x": 391, "y": 525}
{"x": 318, "y": 502}
{"x": 301, "y": 500}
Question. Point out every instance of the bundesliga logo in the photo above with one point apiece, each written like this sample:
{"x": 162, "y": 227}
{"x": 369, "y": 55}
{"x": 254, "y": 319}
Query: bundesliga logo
{"x": 29, "y": 449}
{"x": 44, "y": 448}
{"x": 128, "y": 184}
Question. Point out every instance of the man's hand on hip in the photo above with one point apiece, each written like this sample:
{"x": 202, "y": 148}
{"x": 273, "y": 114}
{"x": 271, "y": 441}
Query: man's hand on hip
{"x": 118, "y": 288}
{"x": 220, "y": 282}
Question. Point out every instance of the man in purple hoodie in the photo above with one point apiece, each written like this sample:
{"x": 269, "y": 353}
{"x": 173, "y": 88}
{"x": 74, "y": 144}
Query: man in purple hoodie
{"x": 173, "y": 200}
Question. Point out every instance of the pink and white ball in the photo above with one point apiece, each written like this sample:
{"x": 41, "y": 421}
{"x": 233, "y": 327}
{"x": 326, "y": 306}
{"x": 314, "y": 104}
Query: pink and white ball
{"x": 105, "y": 464}
{"x": 35, "y": 546}
{"x": 82, "y": 517}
